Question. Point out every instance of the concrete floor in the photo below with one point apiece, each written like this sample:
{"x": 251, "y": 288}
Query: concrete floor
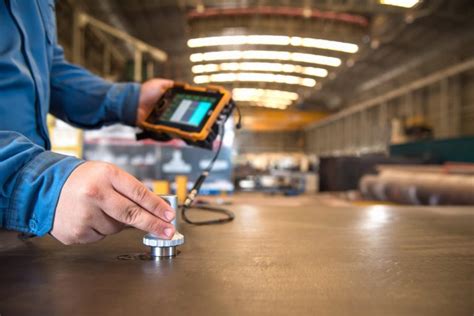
{"x": 280, "y": 256}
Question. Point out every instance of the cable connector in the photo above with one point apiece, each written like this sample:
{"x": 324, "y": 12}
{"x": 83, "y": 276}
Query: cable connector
{"x": 195, "y": 190}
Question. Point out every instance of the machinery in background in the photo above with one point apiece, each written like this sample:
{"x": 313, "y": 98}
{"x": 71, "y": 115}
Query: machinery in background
{"x": 287, "y": 174}
{"x": 150, "y": 161}
{"x": 437, "y": 151}
{"x": 410, "y": 129}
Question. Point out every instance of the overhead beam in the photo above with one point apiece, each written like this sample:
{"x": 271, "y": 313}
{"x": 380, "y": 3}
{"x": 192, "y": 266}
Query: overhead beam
{"x": 417, "y": 84}
{"x": 155, "y": 52}
{"x": 280, "y": 11}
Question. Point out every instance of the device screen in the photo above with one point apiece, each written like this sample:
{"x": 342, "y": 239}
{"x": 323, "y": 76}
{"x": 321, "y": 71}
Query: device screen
{"x": 189, "y": 109}
{"x": 184, "y": 109}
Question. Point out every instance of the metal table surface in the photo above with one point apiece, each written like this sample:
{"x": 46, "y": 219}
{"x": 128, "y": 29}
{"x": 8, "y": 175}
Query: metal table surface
{"x": 275, "y": 259}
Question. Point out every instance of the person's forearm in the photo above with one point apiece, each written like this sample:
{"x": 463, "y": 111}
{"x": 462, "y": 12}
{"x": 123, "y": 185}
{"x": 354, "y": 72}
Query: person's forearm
{"x": 87, "y": 101}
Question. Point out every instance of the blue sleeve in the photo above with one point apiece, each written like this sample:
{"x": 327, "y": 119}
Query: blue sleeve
{"x": 31, "y": 180}
{"x": 88, "y": 101}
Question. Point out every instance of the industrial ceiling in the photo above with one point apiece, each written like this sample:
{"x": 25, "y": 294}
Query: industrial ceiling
{"x": 311, "y": 55}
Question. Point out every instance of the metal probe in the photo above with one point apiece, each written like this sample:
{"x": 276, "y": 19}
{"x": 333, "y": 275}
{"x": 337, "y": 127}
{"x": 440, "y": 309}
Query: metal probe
{"x": 164, "y": 248}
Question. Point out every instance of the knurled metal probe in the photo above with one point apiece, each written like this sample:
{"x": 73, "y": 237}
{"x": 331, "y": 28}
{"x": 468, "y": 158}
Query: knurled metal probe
{"x": 162, "y": 248}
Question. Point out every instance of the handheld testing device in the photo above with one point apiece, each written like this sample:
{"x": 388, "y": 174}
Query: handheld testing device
{"x": 192, "y": 114}
{"x": 197, "y": 116}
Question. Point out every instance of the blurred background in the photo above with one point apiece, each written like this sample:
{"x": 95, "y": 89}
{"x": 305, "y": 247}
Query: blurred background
{"x": 357, "y": 101}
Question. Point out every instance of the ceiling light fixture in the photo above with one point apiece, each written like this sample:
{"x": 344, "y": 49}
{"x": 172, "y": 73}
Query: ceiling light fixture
{"x": 400, "y": 3}
{"x": 253, "y": 94}
{"x": 276, "y": 99}
{"x": 274, "y": 40}
{"x": 266, "y": 55}
{"x": 254, "y": 66}
{"x": 254, "y": 77}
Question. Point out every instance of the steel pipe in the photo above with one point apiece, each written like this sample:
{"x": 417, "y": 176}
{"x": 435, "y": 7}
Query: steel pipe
{"x": 422, "y": 188}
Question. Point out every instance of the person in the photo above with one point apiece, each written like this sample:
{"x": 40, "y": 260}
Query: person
{"x": 44, "y": 192}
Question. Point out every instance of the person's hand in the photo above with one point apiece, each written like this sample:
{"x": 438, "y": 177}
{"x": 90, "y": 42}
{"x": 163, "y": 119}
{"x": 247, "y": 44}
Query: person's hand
{"x": 99, "y": 199}
{"x": 150, "y": 92}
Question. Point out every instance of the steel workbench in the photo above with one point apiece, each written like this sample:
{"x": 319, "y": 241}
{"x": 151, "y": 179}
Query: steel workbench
{"x": 275, "y": 259}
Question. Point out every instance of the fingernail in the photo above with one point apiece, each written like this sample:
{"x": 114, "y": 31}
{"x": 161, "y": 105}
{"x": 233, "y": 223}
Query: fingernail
{"x": 169, "y": 215}
{"x": 168, "y": 232}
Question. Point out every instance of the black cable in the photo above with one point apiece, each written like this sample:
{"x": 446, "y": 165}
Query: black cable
{"x": 211, "y": 163}
{"x": 239, "y": 121}
{"x": 229, "y": 215}
{"x": 197, "y": 185}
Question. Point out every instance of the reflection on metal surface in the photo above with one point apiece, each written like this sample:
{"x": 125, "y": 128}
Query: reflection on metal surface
{"x": 145, "y": 256}
{"x": 376, "y": 217}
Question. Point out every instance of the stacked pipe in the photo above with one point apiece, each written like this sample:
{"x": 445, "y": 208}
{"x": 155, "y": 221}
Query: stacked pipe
{"x": 419, "y": 187}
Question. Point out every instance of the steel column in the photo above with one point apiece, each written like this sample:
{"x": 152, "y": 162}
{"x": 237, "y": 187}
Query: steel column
{"x": 137, "y": 65}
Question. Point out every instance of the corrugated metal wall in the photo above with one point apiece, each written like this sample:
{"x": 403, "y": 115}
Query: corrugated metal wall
{"x": 467, "y": 101}
{"x": 269, "y": 142}
{"x": 445, "y": 99}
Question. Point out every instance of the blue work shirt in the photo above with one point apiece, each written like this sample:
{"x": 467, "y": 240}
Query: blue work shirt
{"x": 36, "y": 79}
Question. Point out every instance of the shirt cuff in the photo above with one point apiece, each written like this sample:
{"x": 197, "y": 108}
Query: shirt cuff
{"x": 37, "y": 192}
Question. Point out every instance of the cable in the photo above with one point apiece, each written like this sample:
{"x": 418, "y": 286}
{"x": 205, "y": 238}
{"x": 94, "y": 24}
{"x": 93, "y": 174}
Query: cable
{"x": 195, "y": 190}
{"x": 222, "y": 134}
{"x": 229, "y": 215}
{"x": 239, "y": 121}
{"x": 200, "y": 180}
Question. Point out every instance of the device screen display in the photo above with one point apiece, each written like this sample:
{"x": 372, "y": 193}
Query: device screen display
{"x": 188, "y": 109}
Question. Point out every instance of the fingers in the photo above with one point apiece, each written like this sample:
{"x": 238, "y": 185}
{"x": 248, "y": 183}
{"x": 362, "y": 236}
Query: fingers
{"x": 163, "y": 83}
{"x": 166, "y": 83}
{"x": 150, "y": 92}
{"x": 154, "y": 88}
{"x": 135, "y": 191}
{"x": 125, "y": 211}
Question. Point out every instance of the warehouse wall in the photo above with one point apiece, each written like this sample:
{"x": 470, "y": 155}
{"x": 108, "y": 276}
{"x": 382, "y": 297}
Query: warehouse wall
{"x": 467, "y": 101}
{"x": 445, "y": 99}
{"x": 269, "y": 142}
